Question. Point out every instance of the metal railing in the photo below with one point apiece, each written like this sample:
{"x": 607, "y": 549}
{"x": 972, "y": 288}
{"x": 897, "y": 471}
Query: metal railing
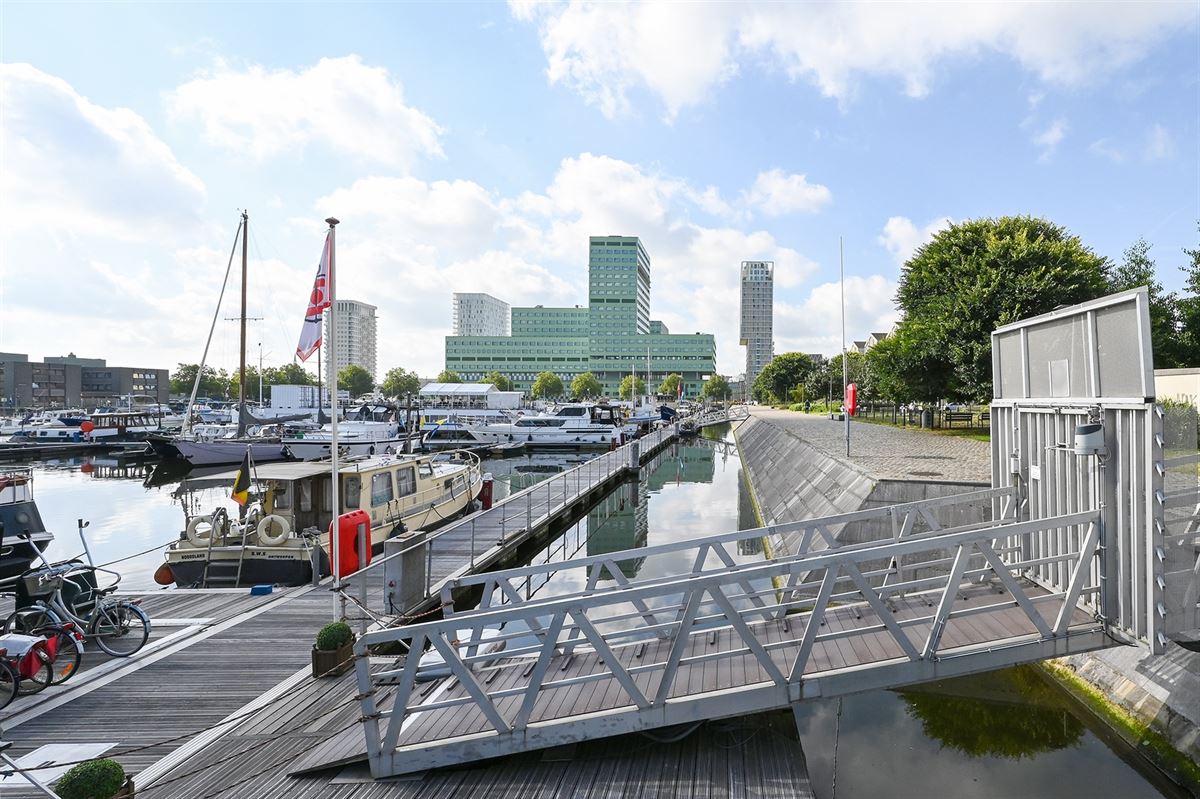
{"x": 723, "y": 641}
{"x": 906, "y": 520}
{"x": 458, "y": 547}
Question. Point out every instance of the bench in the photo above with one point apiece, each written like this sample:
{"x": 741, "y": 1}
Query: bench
{"x": 950, "y": 417}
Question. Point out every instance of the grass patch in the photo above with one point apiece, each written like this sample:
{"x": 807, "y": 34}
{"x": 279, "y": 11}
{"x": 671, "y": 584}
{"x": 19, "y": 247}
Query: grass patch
{"x": 1149, "y": 742}
{"x": 974, "y": 433}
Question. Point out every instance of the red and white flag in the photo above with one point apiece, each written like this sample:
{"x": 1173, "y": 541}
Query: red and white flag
{"x": 310, "y": 334}
{"x": 679, "y": 391}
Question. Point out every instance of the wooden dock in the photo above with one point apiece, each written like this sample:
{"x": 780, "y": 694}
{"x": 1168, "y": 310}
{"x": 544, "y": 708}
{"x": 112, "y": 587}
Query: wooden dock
{"x": 221, "y": 702}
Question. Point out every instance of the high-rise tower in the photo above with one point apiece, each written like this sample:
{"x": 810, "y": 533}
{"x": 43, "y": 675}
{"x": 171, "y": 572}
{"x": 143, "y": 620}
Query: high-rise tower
{"x": 758, "y": 297}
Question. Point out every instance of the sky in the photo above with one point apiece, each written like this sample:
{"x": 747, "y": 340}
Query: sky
{"x": 476, "y": 146}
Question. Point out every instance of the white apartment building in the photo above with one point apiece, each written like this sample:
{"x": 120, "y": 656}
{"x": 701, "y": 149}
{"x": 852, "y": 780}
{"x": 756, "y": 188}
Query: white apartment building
{"x": 354, "y": 339}
{"x": 480, "y": 315}
{"x": 757, "y": 329}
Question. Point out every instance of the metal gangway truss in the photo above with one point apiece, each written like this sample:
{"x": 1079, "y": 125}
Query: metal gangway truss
{"x": 1079, "y": 545}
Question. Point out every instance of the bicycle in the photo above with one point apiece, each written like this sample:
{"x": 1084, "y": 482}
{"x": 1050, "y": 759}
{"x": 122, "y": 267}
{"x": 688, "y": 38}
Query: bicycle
{"x": 68, "y": 592}
{"x": 64, "y": 642}
{"x": 9, "y": 680}
{"x": 28, "y": 657}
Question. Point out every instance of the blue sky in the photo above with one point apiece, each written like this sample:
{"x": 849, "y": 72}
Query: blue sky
{"x": 474, "y": 147}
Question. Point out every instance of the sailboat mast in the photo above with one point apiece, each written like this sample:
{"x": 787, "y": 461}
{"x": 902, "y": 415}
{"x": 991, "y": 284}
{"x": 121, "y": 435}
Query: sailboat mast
{"x": 242, "y": 362}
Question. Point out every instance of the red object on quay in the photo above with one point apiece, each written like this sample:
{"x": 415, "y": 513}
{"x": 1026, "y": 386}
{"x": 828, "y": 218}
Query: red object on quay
{"x": 485, "y": 492}
{"x": 347, "y": 541}
{"x": 852, "y": 398}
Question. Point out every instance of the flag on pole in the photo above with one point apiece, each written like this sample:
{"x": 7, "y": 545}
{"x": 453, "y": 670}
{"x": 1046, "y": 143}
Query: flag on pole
{"x": 679, "y": 391}
{"x": 318, "y": 301}
{"x": 241, "y": 481}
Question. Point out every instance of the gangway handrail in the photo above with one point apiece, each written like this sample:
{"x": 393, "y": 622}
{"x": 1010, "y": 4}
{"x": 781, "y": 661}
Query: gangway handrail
{"x": 569, "y": 627}
{"x": 902, "y": 528}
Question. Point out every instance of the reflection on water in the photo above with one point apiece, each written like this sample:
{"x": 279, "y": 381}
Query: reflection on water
{"x": 1010, "y": 714}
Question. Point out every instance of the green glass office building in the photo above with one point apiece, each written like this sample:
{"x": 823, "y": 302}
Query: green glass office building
{"x": 612, "y": 337}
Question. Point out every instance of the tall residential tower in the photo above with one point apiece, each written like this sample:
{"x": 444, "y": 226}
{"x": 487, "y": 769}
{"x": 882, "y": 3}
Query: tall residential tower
{"x": 758, "y": 297}
{"x": 479, "y": 315}
{"x": 354, "y": 338}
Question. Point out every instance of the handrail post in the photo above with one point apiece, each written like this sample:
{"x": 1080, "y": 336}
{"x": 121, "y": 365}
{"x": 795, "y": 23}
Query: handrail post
{"x": 364, "y": 552}
{"x": 529, "y": 509}
{"x": 472, "y": 543}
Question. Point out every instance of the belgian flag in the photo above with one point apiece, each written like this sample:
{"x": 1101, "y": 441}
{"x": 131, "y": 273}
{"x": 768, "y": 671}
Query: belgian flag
{"x": 241, "y": 482}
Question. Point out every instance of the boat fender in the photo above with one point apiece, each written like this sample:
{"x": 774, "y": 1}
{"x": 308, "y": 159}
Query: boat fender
{"x": 194, "y": 535}
{"x": 267, "y": 536}
{"x": 163, "y": 574}
{"x": 371, "y": 451}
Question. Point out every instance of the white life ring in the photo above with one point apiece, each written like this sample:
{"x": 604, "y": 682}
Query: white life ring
{"x": 266, "y": 537}
{"x": 194, "y": 535}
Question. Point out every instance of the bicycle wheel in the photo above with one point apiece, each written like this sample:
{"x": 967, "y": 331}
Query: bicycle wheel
{"x": 30, "y": 618}
{"x": 120, "y": 628}
{"x": 35, "y": 671}
{"x": 8, "y": 682}
{"x": 66, "y": 651}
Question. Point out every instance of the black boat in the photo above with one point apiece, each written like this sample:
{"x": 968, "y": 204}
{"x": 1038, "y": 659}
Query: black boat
{"x": 23, "y": 536}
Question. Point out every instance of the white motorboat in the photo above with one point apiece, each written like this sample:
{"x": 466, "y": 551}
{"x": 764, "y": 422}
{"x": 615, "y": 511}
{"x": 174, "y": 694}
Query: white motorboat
{"x": 282, "y": 533}
{"x": 99, "y": 427}
{"x": 578, "y": 424}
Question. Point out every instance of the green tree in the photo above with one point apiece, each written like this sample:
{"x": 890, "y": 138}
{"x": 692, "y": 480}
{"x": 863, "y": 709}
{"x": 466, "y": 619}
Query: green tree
{"x": 546, "y": 385}
{"x": 903, "y": 368}
{"x": 586, "y": 385}
{"x": 399, "y": 382}
{"x": 716, "y": 388}
{"x": 1188, "y": 311}
{"x": 670, "y": 384}
{"x": 292, "y": 374}
{"x": 501, "y": 382}
{"x": 448, "y": 376}
{"x": 631, "y": 387}
{"x": 213, "y": 383}
{"x": 1138, "y": 269}
{"x": 979, "y": 274}
{"x": 356, "y": 380}
{"x": 780, "y": 376}
{"x": 252, "y": 381}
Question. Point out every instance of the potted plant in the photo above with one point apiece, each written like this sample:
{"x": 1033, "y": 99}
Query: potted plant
{"x": 333, "y": 652}
{"x": 103, "y": 778}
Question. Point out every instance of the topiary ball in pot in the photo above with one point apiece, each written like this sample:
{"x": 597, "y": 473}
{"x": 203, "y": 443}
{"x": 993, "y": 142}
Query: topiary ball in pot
{"x": 95, "y": 779}
{"x": 334, "y": 635}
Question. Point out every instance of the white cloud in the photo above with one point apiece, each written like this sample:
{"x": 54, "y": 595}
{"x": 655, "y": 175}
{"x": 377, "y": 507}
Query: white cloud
{"x": 902, "y": 238}
{"x": 815, "y": 324}
{"x": 775, "y": 193}
{"x": 71, "y": 166}
{"x": 340, "y": 102}
{"x": 1105, "y": 148}
{"x": 414, "y": 243}
{"x": 1159, "y": 144}
{"x": 604, "y": 50}
{"x": 681, "y": 52}
{"x": 1048, "y": 139}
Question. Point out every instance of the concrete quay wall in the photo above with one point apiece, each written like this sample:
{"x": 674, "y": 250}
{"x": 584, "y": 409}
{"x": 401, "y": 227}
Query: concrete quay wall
{"x": 791, "y": 480}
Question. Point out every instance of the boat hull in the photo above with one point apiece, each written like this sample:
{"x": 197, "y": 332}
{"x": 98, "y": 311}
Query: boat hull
{"x": 217, "y": 453}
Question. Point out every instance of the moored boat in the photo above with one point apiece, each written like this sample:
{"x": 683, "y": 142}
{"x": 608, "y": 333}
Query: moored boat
{"x": 280, "y": 535}
{"x": 573, "y": 425}
{"x": 23, "y": 536}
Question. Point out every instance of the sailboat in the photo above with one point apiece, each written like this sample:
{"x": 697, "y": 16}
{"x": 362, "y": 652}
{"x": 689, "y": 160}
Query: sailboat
{"x": 303, "y": 519}
{"x": 217, "y": 445}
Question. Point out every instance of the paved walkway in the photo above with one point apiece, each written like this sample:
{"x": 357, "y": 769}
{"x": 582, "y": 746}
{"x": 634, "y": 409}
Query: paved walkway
{"x": 890, "y": 453}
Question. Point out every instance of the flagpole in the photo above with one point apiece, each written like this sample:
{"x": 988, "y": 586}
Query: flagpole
{"x": 845, "y": 371}
{"x": 334, "y": 538}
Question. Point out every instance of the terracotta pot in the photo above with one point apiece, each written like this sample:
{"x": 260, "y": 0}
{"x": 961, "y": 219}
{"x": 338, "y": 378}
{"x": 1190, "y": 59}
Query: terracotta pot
{"x": 332, "y": 663}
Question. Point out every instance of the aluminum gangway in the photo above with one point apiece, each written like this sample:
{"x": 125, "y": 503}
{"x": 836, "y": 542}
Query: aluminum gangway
{"x": 1081, "y": 544}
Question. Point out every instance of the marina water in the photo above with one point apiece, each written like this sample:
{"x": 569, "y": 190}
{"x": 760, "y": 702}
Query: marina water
{"x": 1004, "y": 733}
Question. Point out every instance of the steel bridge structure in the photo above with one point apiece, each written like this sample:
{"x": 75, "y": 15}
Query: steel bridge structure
{"x": 1088, "y": 542}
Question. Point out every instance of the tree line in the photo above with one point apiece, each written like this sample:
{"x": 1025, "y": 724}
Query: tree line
{"x": 971, "y": 278}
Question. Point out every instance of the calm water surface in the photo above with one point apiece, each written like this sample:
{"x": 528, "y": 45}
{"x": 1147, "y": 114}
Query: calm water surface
{"x": 1003, "y": 734}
